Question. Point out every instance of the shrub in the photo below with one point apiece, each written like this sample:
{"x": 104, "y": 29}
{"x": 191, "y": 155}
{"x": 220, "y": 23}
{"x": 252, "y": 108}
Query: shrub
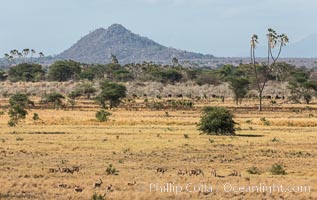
{"x": 11, "y": 123}
{"x": 157, "y": 105}
{"x": 180, "y": 104}
{"x": 126, "y": 150}
{"x": 267, "y": 123}
{"x": 278, "y": 169}
{"x": 36, "y": 117}
{"x": 54, "y": 97}
{"x": 253, "y": 170}
{"x": 97, "y": 197}
{"x": 275, "y": 140}
{"x": 248, "y": 121}
{"x": 6, "y": 94}
{"x": 217, "y": 121}
{"x": 3, "y": 75}
{"x": 102, "y": 115}
{"x": 111, "y": 170}
{"x": 262, "y": 119}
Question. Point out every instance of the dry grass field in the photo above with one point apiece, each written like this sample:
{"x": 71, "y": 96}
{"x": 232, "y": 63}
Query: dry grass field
{"x": 136, "y": 143}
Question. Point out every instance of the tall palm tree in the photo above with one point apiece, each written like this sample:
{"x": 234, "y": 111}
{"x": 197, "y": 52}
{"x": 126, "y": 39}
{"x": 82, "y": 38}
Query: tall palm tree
{"x": 13, "y": 54}
{"x": 114, "y": 59}
{"x": 25, "y": 53}
{"x": 41, "y": 55}
{"x": 32, "y": 53}
{"x": 274, "y": 40}
{"x": 9, "y": 58}
{"x": 20, "y": 55}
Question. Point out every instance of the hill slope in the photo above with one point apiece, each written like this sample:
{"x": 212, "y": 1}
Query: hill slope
{"x": 305, "y": 48}
{"x": 97, "y": 47}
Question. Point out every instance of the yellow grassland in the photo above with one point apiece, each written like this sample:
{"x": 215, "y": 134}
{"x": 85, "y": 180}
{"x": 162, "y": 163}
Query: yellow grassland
{"x": 139, "y": 142}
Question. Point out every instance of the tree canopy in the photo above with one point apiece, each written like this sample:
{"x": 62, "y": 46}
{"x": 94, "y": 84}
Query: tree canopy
{"x": 26, "y": 72}
{"x": 302, "y": 87}
{"x": 112, "y": 93}
{"x": 17, "y": 111}
{"x": 64, "y": 71}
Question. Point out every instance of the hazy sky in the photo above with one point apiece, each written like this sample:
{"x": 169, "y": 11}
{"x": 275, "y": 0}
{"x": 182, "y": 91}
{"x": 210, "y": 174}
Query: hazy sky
{"x": 219, "y": 27}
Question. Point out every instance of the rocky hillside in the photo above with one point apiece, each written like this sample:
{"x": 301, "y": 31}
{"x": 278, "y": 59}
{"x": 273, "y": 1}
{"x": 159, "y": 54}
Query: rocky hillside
{"x": 98, "y": 46}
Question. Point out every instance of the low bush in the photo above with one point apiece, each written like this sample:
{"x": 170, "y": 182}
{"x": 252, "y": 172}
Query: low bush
{"x": 278, "y": 169}
{"x": 217, "y": 121}
{"x": 36, "y": 117}
{"x": 253, "y": 170}
{"x": 103, "y": 115}
{"x": 111, "y": 170}
{"x": 97, "y": 197}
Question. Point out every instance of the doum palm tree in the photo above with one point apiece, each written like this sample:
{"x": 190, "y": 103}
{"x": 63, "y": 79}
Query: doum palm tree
{"x": 262, "y": 76}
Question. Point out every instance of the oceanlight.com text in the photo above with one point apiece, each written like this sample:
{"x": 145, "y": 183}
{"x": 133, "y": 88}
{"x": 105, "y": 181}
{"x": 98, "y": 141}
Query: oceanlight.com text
{"x": 227, "y": 188}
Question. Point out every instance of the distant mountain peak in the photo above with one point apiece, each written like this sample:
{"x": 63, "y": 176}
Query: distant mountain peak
{"x": 98, "y": 31}
{"x": 115, "y": 27}
{"x": 127, "y": 46}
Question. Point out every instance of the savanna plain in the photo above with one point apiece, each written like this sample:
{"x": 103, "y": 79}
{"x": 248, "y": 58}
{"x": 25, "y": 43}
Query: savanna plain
{"x": 68, "y": 154}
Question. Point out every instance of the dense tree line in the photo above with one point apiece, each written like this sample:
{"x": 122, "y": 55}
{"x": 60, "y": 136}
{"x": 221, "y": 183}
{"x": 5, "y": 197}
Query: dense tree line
{"x": 241, "y": 79}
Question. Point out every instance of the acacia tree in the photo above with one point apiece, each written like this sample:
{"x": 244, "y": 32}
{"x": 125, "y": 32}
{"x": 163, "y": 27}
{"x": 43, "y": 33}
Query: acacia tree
{"x": 54, "y": 97}
{"x": 18, "y": 104}
{"x": 86, "y": 89}
{"x": 112, "y": 93}
{"x": 237, "y": 79}
{"x": 239, "y": 87}
{"x": 64, "y": 70}
{"x": 72, "y": 96}
{"x": 302, "y": 87}
{"x": 263, "y": 72}
{"x": 26, "y": 72}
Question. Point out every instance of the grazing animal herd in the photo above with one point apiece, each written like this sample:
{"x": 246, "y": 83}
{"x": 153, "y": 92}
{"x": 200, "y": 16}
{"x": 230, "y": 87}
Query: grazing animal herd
{"x": 159, "y": 170}
{"x": 197, "y": 172}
